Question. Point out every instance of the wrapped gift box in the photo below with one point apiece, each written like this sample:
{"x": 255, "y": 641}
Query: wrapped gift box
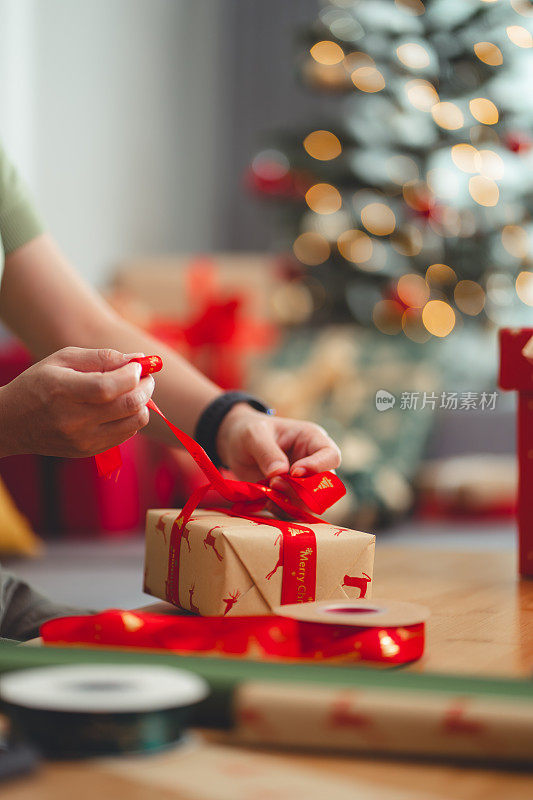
{"x": 223, "y": 565}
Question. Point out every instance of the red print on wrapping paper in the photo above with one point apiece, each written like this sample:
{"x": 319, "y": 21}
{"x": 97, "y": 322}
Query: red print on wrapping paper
{"x": 279, "y": 564}
{"x": 191, "y": 604}
{"x": 342, "y": 716}
{"x": 338, "y": 531}
{"x": 455, "y": 722}
{"x": 211, "y": 542}
{"x": 359, "y": 583}
{"x": 161, "y": 527}
{"x": 231, "y": 600}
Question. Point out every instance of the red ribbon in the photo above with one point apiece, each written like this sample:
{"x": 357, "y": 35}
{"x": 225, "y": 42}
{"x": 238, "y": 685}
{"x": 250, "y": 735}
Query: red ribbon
{"x": 263, "y": 637}
{"x": 298, "y": 542}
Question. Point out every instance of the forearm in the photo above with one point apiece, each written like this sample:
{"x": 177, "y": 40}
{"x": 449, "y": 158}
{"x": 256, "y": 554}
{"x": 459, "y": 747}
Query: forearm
{"x": 49, "y": 307}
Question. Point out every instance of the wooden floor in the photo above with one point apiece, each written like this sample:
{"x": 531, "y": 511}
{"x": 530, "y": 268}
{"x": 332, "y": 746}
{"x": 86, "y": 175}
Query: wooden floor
{"x": 481, "y": 624}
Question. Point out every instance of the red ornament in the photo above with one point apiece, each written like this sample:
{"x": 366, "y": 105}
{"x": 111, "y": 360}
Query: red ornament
{"x": 518, "y": 142}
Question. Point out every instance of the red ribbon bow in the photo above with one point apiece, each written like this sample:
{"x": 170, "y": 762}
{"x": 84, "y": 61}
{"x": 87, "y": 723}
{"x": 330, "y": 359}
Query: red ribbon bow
{"x": 318, "y": 492}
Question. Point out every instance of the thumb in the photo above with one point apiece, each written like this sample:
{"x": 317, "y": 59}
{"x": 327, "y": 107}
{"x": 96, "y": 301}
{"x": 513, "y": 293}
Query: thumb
{"x": 269, "y": 457}
{"x": 99, "y": 360}
{"x": 527, "y": 351}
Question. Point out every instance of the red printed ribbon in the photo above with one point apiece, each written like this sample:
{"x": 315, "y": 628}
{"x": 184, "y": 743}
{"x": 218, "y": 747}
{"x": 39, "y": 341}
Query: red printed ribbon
{"x": 298, "y": 545}
{"x": 266, "y": 638}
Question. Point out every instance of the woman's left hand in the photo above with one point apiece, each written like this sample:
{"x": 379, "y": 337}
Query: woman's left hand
{"x": 257, "y": 446}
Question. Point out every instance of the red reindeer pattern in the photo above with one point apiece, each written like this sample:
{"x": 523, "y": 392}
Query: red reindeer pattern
{"x": 279, "y": 540}
{"x": 191, "y": 604}
{"x": 455, "y": 722}
{"x": 161, "y": 527}
{"x": 359, "y": 583}
{"x": 338, "y": 531}
{"x": 231, "y": 600}
{"x": 342, "y": 716}
{"x": 210, "y": 541}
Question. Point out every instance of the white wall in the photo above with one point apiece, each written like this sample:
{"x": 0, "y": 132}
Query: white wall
{"x": 122, "y": 100}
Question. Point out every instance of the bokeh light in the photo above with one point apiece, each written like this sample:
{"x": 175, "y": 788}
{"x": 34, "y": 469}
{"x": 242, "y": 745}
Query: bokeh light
{"x": 292, "y": 303}
{"x": 524, "y": 287}
{"x": 402, "y": 169}
{"x": 421, "y": 94}
{"x": 413, "y": 290}
{"x": 448, "y": 116}
{"x": 270, "y": 164}
{"x": 483, "y": 190}
{"x": 440, "y": 275}
{"x": 413, "y": 326}
{"x": 322, "y": 145}
{"x": 311, "y": 248}
{"x": 438, "y": 318}
{"x": 463, "y": 156}
{"x": 368, "y": 79}
{"x": 378, "y": 218}
{"x": 327, "y": 53}
{"x": 355, "y": 246}
{"x": 519, "y": 36}
{"x": 413, "y": 55}
{"x": 387, "y": 316}
{"x": 489, "y": 164}
{"x": 414, "y": 7}
{"x": 515, "y": 240}
{"x": 323, "y": 198}
{"x": 469, "y": 297}
{"x": 489, "y": 53}
{"x": 484, "y": 111}
{"x": 408, "y": 240}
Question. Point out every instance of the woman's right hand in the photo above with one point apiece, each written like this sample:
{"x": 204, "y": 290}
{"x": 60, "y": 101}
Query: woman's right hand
{"x": 75, "y": 403}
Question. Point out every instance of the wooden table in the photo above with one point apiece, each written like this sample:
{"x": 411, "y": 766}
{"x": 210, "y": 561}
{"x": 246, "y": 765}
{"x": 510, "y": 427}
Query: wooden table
{"x": 481, "y": 624}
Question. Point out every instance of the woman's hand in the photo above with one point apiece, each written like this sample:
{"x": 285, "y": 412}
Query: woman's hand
{"x": 256, "y": 446}
{"x": 74, "y": 403}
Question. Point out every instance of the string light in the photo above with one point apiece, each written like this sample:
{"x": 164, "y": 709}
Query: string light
{"x": 440, "y": 275}
{"x": 421, "y": 94}
{"x": 413, "y": 55}
{"x": 378, "y": 218}
{"x": 519, "y": 36}
{"x": 469, "y": 297}
{"x": 438, "y": 318}
{"x": 489, "y": 164}
{"x": 387, "y": 316}
{"x": 489, "y": 53}
{"x": 355, "y": 246}
{"x": 323, "y": 198}
{"x": 484, "y": 191}
{"x": 515, "y": 240}
{"x": 327, "y": 53}
{"x": 414, "y": 7}
{"x": 524, "y": 287}
{"x": 484, "y": 111}
{"x": 463, "y": 156}
{"x": 413, "y": 290}
{"x": 322, "y": 145}
{"x": 311, "y": 248}
{"x": 368, "y": 79}
{"x": 448, "y": 116}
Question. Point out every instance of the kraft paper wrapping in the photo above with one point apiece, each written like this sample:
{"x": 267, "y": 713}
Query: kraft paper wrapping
{"x": 231, "y": 566}
{"x": 384, "y": 720}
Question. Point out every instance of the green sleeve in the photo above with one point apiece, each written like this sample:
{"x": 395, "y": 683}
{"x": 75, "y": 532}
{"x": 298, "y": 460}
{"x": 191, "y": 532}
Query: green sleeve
{"x": 19, "y": 222}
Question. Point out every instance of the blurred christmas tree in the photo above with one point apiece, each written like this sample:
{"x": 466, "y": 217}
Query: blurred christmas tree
{"x": 411, "y": 211}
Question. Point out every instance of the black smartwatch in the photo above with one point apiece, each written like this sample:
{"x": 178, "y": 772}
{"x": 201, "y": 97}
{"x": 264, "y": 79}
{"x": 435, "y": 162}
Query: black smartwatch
{"x": 211, "y": 417}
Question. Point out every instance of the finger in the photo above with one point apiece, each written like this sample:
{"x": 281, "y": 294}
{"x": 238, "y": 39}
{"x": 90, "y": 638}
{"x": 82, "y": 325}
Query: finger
{"x": 113, "y": 433}
{"x": 98, "y": 360}
{"x": 101, "y": 387}
{"x": 527, "y": 351}
{"x": 263, "y": 448}
{"x": 326, "y": 458}
{"x": 128, "y": 404}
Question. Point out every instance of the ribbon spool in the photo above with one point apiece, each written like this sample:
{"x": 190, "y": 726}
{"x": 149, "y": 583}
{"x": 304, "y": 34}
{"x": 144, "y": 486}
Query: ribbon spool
{"x": 357, "y": 613}
{"x": 93, "y": 710}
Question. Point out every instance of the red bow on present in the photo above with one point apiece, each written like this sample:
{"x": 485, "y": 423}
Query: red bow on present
{"x": 317, "y": 492}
